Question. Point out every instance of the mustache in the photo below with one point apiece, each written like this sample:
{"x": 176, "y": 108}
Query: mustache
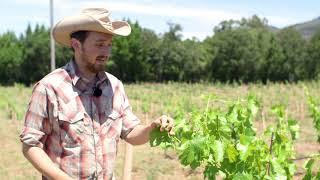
{"x": 102, "y": 57}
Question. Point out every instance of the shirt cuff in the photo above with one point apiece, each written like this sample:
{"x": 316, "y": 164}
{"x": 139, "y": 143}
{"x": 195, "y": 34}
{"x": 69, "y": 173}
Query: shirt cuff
{"x": 127, "y": 129}
{"x": 31, "y": 137}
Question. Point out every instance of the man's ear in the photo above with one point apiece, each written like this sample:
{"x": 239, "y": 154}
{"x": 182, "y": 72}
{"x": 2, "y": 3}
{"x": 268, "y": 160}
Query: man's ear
{"x": 75, "y": 44}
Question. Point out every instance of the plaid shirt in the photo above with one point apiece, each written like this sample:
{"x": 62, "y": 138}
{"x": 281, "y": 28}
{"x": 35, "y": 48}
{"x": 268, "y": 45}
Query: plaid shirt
{"x": 79, "y": 132}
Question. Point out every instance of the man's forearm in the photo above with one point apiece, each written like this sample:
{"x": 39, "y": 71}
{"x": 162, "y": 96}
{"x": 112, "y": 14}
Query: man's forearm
{"x": 41, "y": 161}
{"x": 139, "y": 135}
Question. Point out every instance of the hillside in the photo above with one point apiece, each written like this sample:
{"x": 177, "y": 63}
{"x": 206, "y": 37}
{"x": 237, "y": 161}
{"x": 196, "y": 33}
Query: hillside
{"x": 308, "y": 28}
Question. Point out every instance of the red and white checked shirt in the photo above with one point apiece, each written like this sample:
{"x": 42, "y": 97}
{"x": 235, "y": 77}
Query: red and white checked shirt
{"x": 78, "y": 131}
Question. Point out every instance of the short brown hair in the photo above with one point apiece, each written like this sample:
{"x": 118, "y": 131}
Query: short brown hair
{"x": 80, "y": 35}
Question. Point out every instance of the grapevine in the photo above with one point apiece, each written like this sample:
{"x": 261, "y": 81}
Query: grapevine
{"x": 309, "y": 166}
{"x": 315, "y": 113}
{"x": 225, "y": 143}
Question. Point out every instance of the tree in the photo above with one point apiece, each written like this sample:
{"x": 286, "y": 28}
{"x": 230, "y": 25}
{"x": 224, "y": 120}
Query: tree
{"x": 293, "y": 48}
{"x": 10, "y": 58}
{"x": 170, "y": 58}
{"x": 36, "y": 54}
{"x": 63, "y": 55}
{"x": 312, "y": 63}
{"x": 129, "y": 61}
{"x": 195, "y": 59}
{"x": 234, "y": 56}
{"x": 242, "y": 51}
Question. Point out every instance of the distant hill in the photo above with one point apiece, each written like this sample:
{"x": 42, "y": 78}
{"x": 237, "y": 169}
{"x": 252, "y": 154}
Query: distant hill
{"x": 309, "y": 28}
{"x": 273, "y": 28}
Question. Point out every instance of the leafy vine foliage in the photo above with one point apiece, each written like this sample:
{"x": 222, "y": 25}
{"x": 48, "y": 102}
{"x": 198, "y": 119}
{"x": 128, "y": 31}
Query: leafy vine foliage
{"x": 226, "y": 143}
{"x": 315, "y": 115}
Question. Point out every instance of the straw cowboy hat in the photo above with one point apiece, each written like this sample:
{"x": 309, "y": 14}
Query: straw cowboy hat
{"x": 91, "y": 19}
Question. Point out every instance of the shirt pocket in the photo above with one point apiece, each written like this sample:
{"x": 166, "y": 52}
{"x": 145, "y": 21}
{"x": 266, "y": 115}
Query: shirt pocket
{"x": 112, "y": 126}
{"x": 72, "y": 129}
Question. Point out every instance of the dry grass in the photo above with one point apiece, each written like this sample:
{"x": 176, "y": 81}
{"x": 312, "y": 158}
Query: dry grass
{"x": 151, "y": 100}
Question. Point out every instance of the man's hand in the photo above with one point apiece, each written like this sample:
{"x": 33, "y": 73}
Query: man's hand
{"x": 165, "y": 123}
{"x": 141, "y": 133}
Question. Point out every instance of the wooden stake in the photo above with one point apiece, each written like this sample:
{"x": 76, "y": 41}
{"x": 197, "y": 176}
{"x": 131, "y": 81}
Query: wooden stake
{"x": 128, "y": 162}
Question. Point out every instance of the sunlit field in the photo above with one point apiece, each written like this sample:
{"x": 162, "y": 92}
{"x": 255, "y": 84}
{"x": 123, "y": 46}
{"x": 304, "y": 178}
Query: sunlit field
{"x": 150, "y": 100}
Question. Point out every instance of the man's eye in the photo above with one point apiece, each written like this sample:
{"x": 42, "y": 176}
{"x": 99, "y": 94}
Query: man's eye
{"x": 103, "y": 45}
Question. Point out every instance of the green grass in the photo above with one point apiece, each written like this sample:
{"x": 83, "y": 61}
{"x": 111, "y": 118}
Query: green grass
{"x": 150, "y": 100}
{"x": 14, "y": 100}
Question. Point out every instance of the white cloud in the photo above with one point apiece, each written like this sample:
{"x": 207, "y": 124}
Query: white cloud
{"x": 281, "y": 21}
{"x": 196, "y": 21}
{"x": 158, "y": 9}
{"x": 152, "y": 8}
{"x": 193, "y": 20}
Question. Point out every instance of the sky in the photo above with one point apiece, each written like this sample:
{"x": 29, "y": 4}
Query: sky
{"x": 197, "y": 17}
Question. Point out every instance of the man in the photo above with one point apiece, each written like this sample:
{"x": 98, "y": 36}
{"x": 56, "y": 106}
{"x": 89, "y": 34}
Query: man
{"x": 78, "y": 113}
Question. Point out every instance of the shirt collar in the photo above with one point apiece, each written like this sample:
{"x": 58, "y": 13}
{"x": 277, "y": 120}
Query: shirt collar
{"x": 73, "y": 71}
{"x": 102, "y": 76}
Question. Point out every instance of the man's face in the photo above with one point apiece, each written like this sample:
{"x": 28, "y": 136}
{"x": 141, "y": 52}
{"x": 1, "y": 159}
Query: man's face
{"x": 95, "y": 51}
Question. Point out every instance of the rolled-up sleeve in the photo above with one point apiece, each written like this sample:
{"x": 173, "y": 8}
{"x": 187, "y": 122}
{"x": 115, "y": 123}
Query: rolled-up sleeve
{"x": 129, "y": 119}
{"x": 36, "y": 123}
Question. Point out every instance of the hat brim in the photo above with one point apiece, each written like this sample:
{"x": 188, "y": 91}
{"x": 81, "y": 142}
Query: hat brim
{"x": 63, "y": 29}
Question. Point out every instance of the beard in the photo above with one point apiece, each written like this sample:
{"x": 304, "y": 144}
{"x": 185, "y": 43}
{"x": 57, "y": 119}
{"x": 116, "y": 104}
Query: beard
{"x": 92, "y": 67}
{"x": 95, "y": 68}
